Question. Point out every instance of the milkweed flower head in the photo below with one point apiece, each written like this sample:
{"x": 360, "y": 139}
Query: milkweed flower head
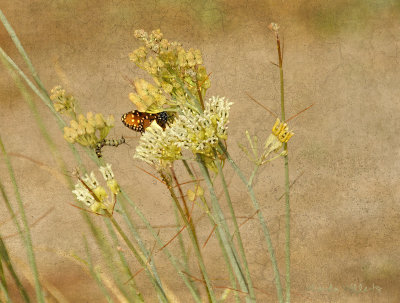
{"x": 191, "y": 130}
{"x": 200, "y": 132}
{"x": 158, "y": 147}
{"x": 94, "y": 196}
{"x": 62, "y": 102}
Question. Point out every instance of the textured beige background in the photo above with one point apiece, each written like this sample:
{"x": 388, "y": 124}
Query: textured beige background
{"x": 343, "y": 57}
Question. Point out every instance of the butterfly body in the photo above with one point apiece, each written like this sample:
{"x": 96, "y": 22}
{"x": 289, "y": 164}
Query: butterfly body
{"x": 139, "y": 121}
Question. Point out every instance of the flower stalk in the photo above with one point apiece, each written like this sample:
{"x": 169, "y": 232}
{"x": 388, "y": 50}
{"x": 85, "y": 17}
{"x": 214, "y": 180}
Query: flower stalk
{"x": 262, "y": 221}
{"x": 275, "y": 29}
{"x": 193, "y": 237}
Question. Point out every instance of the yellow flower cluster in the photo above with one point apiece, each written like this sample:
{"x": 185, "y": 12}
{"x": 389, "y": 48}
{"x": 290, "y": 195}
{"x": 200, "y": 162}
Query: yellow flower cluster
{"x": 89, "y": 130}
{"x": 280, "y": 135}
{"x": 62, "y": 102}
{"x": 148, "y": 98}
{"x": 175, "y": 71}
{"x": 281, "y": 132}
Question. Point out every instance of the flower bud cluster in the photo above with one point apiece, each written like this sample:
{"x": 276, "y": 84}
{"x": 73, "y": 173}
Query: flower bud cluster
{"x": 89, "y": 130}
{"x": 174, "y": 70}
{"x": 63, "y": 103}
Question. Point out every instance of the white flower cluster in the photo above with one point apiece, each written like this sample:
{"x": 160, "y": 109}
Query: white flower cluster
{"x": 89, "y": 191}
{"x": 82, "y": 193}
{"x": 217, "y": 110}
{"x": 190, "y": 130}
{"x": 158, "y": 146}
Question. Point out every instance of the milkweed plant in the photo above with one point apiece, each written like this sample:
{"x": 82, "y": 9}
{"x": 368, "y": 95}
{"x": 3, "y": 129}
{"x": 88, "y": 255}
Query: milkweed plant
{"x": 194, "y": 137}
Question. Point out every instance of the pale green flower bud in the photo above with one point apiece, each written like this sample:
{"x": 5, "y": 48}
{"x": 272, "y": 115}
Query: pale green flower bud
{"x": 89, "y": 116}
{"x": 100, "y": 193}
{"x": 99, "y": 120}
{"x": 198, "y": 57}
{"x": 58, "y": 107}
{"x": 74, "y": 124}
{"x": 110, "y": 121}
{"x": 96, "y": 207}
{"x": 70, "y": 134}
{"x": 81, "y": 130}
{"x": 89, "y": 129}
{"x": 113, "y": 186}
{"x": 81, "y": 119}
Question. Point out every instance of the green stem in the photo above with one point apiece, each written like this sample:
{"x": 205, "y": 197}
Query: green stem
{"x": 262, "y": 221}
{"x": 179, "y": 226}
{"x": 209, "y": 289}
{"x": 161, "y": 245}
{"x": 237, "y": 232}
{"x": 187, "y": 213}
{"x": 3, "y": 280}
{"x": 223, "y": 229}
{"x": 21, "y": 50}
{"x": 26, "y": 235}
{"x": 95, "y": 274}
{"x": 253, "y": 174}
{"x": 139, "y": 241}
{"x": 123, "y": 266}
{"x": 287, "y": 190}
{"x": 6, "y": 258}
{"x": 4, "y": 291}
{"x": 142, "y": 262}
{"x": 221, "y": 243}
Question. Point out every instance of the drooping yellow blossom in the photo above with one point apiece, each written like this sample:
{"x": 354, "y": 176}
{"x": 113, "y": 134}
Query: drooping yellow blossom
{"x": 280, "y": 135}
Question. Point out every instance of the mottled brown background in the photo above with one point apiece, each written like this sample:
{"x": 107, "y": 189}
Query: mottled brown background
{"x": 341, "y": 56}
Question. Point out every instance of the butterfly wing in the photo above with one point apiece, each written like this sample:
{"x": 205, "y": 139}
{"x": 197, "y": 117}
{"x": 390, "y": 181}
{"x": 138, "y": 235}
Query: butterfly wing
{"x": 139, "y": 121}
{"x": 133, "y": 120}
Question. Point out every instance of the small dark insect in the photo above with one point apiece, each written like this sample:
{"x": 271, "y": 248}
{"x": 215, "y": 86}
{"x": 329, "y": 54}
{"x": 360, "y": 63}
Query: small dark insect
{"x": 108, "y": 142}
{"x": 139, "y": 121}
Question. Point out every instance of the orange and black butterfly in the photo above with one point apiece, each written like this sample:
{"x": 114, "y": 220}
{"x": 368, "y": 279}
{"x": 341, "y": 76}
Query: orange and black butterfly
{"x": 139, "y": 121}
